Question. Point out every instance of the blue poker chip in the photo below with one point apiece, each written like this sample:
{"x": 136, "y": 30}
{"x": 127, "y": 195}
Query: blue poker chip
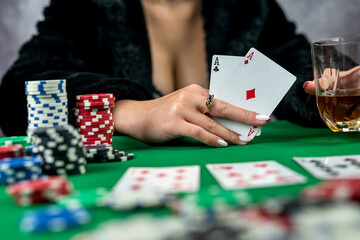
{"x": 53, "y": 95}
{"x": 55, "y": 122}
{"x": 50, "y": 100}
{"x": 13, "y": 170}
{"x": 45, "y": 82}
{"x": 42, "y": 114}
{"x": 46, "y": 105}
{"x": 54, "y": 219}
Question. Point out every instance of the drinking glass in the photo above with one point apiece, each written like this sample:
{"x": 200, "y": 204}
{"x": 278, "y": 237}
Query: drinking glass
{"x": 336, "y": 67}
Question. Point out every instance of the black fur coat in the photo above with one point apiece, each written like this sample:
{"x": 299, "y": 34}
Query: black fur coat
{"x": 102, "y": 46}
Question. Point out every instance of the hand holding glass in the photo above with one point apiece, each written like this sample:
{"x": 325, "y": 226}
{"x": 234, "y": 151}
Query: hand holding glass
{"x": 336, "y": 65}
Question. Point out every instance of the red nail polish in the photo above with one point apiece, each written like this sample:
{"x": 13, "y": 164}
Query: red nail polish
{"x": 305, "y": 84}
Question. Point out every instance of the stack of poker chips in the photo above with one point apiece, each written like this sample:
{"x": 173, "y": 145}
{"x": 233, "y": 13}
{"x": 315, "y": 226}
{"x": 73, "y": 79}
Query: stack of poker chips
{"x": 24, "y": 141}
{"x": 42, "y": 190}
{"x": 47, "y": 104}
{"x": 105, "y": 153}
{"x": 13, "y": 170}
{"x": 11, "y": 151}
{"x": 54, "y": 219}
{"x": 94, "y": 118}
{"x": 61, "y": 149}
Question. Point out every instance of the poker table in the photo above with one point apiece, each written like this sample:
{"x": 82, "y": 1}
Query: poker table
{"x": 279, "y": 141}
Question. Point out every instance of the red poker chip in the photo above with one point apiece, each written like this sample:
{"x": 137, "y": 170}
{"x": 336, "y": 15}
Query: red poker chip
{"x": 95, "y": 134}
{"x": 96, "y": 107}
{"x": 93, "y": 111}
{"x": 37, "y": 185}
{"x": 96, "y": 128}
{"x": 99, "y": 116}
{"x": 94, "y": 96}
{"x": 10, "y": 148}
{"x": 103, "y": 100}
{"x": 108, "y": 142}
{"x": 101, "y": 124}
{"x": 11, "y": 151}
{"x": 100, "y": 127}
{"x": 97, "y": 137}
{"x": 93, "y": 121}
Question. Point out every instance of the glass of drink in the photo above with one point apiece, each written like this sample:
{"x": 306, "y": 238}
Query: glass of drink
{"x": 336, "y": 66}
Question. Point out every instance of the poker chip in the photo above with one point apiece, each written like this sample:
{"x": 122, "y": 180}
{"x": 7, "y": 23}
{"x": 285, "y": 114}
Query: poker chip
{"x": 11, "y": 151}
{"x": 94, "y": 96}
{"x": 105, "y": 153}
{"x": 334, "y": 191}
{"x": 42, "y": 190}
{"x": 62, "y": 150}
{"x": 13, "y": 170}
{"x": 24, "y": 141}
{"x": 139, "y": 199}
{"x": 94, "y": 197}
{"x": 46, "y": 104}
{"x": 94, "y": 118}
{"x": 54, "y": 219}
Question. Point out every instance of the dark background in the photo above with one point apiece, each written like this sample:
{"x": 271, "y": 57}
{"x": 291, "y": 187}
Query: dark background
{"x": 317, "y": 19}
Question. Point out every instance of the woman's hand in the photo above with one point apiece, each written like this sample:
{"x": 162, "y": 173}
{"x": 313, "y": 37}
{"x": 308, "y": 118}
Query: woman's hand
{"x": 181, "y": 113}
{"x": 349, "y": 79}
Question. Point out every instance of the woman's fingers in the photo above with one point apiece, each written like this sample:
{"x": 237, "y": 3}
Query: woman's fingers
{"x": 213, "y": 127}
{"x": 194, "y": 131}
{"x": 221, "y": 109}
{"x": 310, "y": 87}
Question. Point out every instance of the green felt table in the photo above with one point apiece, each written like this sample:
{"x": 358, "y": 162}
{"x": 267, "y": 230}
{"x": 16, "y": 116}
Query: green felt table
{"x": 279, "y": 141}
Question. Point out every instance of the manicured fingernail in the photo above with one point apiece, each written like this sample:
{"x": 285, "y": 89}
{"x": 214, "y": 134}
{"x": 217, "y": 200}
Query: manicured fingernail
{"x": 222, "y": 143}
{"x": 262, "y": 117}
{"x": 306, "y": 83}
{"x": 245, "y": 139}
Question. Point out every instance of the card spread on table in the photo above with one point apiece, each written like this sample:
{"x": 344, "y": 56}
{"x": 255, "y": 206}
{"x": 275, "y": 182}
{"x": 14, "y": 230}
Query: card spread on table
{"x": 334, "y": 167}
{"x": 255, "y": 83}
{"x": 166, "y": 179}
{"x": 254, "y": 175}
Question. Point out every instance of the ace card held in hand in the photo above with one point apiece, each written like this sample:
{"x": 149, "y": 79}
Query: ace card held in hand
{"x": 255, "y": 83}
{"x": 164, "y": 179}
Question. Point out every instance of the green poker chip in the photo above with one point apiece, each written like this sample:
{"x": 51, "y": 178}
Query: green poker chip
{"x": 24, "y": 141}
{"x": 95, "y": 197}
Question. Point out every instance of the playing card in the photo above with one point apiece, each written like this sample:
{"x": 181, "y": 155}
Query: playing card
{"x": 253, "y": 175}
{"x": 222, "y": 67}
{"x": 166, "y": 179}
{"x": 258, "y": 84}
{"x": 335, "y": 167}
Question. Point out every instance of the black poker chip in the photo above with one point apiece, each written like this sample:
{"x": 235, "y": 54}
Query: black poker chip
{"x": 61, "y": 149}
{"x": 105, "y": 153}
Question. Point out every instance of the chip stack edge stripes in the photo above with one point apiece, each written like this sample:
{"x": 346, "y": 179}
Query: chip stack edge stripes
{"x": 46, "y": 104}
{"x": 94, "y": 118}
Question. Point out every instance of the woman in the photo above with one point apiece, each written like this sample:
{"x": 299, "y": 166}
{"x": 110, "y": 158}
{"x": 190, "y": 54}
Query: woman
{"x": 155, "y": 56}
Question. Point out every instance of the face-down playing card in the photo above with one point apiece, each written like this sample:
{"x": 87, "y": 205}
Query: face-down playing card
{"x": 164, "y": 179}
{"x": 258, "y": 85}
{"x": 334, "y": 167}
{"x": 233, "y": 176}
